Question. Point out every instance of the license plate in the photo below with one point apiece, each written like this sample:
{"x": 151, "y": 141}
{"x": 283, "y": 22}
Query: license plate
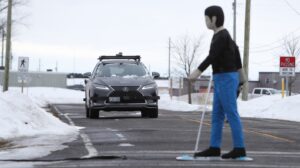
{"x": 114, "y": 99}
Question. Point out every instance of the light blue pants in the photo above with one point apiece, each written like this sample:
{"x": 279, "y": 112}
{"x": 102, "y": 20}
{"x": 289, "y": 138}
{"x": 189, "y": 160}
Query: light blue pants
{"x": 224, "y": 104}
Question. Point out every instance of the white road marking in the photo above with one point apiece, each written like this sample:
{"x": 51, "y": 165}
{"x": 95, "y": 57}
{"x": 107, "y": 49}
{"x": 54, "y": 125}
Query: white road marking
{"x": 271, "y": 153}
{"x": 110, "y": 129}
{"x": 92, "y": 151}
{"x": 121, "y": 137}
{"x": 126, "y": 145}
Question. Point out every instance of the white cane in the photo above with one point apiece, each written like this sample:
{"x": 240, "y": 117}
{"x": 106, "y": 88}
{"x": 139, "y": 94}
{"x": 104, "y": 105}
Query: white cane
{"x": 203, "y": 113}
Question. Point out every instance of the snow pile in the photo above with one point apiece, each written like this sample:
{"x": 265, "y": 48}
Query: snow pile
{"x": 271, "y": 107}
{"x": 20, "y": 116}
{"x": 45, "y": 95}
{"x": 166, "y": 103}
{"x": 30, "y": 131}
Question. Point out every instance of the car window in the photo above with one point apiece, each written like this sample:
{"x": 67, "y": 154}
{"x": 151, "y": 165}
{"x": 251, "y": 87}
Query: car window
{"x": 257, "y": 91}
{"x": 265, "y": 92}
{"x": 273, "y": 91}
{"x": 121, "y": 70}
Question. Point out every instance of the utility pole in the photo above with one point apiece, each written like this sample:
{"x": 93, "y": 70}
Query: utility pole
{"x": 39, "y": 69}
{"x": 8, "y": 43}
{"x": 246, "y": 49}
{"x": 169, "y": 59}
{"x": 2, "y": 52}
{"x": 56, "y": 66}
{"x": 234, "y": 20}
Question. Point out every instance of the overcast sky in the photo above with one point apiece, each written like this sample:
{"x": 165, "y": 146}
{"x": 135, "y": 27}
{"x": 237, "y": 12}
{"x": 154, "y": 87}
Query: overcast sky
{"x": 73, "y": 33}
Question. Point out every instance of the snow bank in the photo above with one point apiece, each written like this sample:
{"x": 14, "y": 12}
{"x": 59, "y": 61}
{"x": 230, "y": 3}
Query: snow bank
{"x": 271, "y": 107}
{"x": 166, "y": 103}
{"x": 30, "y": 130}
{"x": 46, "y": 95}
{"x": 20, "y": 116}
{"x": 43, "y": 96}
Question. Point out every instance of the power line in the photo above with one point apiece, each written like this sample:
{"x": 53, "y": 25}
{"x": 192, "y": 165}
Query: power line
{"x": 295, "y": 10}
{"x": 274, "y": 42}
{"x": 282, "y": 38}
{"x": 278, "y": 40}
{"x": 272, "y": 48}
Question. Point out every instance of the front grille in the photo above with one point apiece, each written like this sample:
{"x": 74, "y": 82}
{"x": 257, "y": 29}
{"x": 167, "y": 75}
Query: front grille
{"x": 127, "y": 94}
{"x": 130, "y": 88}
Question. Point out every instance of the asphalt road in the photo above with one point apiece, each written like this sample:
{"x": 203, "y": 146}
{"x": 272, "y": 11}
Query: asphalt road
{"x": 124, "y": 139}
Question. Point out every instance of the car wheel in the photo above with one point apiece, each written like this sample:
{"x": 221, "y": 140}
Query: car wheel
{"x": 93, "y": 113}
{"x": 153, "y": 113}
{"x": 144, "y": 113}
{"x": 87, "y": 111}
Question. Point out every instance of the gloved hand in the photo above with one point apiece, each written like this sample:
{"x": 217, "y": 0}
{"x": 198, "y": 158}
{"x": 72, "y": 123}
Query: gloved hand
{"x": 194, "y": 75}
{"x": 240, "y": 88}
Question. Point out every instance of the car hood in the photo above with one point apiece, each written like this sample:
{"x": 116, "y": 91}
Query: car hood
{"x": 119, "y": 81}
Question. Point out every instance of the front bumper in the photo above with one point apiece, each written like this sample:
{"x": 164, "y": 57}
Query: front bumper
{"x": 102, "y": 103}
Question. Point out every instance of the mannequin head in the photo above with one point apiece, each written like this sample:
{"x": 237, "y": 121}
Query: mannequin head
{"x": 214, "y": 17}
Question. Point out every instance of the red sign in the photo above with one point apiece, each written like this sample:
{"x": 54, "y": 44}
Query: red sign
{"x": 287, "y": 62}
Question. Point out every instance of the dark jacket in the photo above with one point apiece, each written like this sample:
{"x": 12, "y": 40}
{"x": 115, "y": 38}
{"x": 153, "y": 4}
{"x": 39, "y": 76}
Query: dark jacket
{"x": 223, "y": 55}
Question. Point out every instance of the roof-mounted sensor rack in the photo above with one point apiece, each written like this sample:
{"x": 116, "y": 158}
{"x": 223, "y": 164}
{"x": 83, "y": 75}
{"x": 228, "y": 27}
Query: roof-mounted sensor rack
{"x": 120, "y": 56}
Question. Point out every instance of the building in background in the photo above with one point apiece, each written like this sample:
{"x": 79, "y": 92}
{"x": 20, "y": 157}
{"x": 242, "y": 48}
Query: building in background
{"x": 266, "y": 80}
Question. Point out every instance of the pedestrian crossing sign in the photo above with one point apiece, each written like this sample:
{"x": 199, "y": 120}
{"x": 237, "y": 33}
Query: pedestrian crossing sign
{"x": 23, "y": 64}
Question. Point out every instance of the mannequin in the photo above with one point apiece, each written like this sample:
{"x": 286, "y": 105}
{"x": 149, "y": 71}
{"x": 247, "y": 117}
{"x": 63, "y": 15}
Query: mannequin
{"x": 226, "y": 63}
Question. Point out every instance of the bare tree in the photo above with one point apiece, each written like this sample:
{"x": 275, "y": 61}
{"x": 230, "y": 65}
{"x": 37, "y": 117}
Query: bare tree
{"x": 292, "y": 48}
{"x": 186, "y": 55}
{"x": 3, "y": 13}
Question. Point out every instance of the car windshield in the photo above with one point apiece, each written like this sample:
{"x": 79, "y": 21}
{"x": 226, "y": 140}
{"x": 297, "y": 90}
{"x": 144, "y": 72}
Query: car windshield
{"x": 273, "y": 91}
{"x": 121, "y": 70}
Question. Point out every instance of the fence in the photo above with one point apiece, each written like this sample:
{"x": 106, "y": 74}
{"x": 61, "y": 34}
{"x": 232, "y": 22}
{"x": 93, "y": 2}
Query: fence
{"x": 36, "y": 79}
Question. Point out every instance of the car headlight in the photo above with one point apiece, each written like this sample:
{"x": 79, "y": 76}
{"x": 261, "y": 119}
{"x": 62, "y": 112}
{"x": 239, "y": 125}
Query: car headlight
{"x": 151, "y": 86}
{"x": 101, "y": 87}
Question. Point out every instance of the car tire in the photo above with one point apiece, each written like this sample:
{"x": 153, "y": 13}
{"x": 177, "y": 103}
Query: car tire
{"x": 144, "y": 113}
{"x": 87, "y": 111}
{"x": 151, "y": 113}
{"x": 93, "y": 113}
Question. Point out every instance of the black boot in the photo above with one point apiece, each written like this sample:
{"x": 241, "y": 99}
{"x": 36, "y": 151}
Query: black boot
{"x": 235, "y": 153}
{"x": 210, "y": 152}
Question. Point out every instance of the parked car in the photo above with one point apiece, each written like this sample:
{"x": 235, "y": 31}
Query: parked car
{"x": 75, "y": 75}
{"x": 76, "y": 87}
{"x": 121, "y": 83}
{"x": 264, "y": 91}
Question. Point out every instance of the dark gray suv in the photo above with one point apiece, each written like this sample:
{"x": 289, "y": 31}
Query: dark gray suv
{"x": 121, "y": 83}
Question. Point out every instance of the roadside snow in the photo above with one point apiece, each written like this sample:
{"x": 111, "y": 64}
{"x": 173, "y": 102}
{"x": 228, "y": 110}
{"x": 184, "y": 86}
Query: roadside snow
{"x": 45, "y": 95}
{"x": 29, "y": 129}
{"x": 20, "y": 116}
{"x": 32, "y": 132}
{"x": 166, "y": 103}
{"x": 271, "y": 107}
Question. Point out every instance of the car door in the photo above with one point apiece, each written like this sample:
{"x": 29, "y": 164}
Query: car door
{"x": 265, "y": 92}
{"x": 257, "y": 91}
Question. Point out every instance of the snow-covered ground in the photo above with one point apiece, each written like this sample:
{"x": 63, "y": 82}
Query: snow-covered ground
{"x": 180, "y": 103}
{"x": 28, "y": 131}
{"x": 271, "y": 107}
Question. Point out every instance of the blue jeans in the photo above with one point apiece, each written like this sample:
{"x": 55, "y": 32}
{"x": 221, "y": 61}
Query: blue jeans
{"x": 224, "y": 104}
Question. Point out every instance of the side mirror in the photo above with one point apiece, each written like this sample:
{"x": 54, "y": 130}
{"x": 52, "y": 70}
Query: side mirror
{"x": 87, "y": 74}
{"x": 155, "y": 75}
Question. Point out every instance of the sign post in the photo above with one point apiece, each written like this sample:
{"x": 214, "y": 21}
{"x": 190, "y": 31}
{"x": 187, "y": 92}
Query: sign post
{"x": 23, "y": 66}
{"x": 287, "y": 68}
